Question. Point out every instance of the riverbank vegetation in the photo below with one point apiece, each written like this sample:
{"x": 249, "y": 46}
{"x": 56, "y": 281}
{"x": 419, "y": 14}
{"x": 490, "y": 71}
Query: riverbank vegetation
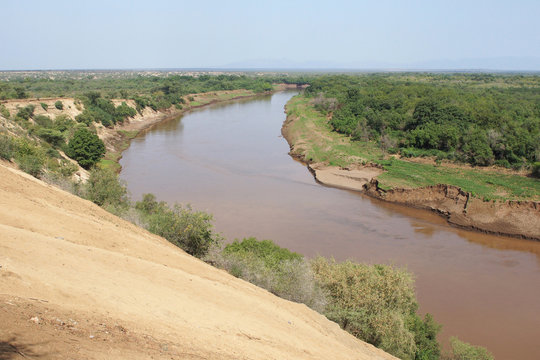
{"x": 345, "y": 120}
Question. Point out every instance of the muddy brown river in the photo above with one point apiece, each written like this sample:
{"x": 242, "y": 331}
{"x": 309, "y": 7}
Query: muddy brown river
{"x": 230, "y": 160}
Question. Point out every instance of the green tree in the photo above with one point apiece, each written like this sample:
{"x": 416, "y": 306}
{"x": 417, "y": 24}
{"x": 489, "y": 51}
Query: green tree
{"x": 59, "y": 105}
{"x": 86, "y": 148}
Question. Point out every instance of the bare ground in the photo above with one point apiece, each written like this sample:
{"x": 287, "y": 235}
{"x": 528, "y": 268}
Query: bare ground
{"x": 79, "y": 283}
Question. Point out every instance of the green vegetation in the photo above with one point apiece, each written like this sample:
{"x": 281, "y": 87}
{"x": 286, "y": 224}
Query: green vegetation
{"x": 321, "y": 144}
{"x": 59, "y": 105}
{"x": 375, "y": 303}
{"x": 104, "y": 189}
{"x": 188, "y": 229}
{"x": 463, "y": 118}
{"x": 85, "y": 147}
{"x": 464, "y": 351}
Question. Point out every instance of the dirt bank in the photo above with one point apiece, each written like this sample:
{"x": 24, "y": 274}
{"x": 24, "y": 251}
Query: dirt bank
{"x": 78, "y": 282}
{"x": 512, "y": 218}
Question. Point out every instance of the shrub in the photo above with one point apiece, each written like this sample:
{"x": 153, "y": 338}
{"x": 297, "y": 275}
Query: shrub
{"x": 63, "y": 123}
{"x": 105, "y": 189}
{"x": 85, "y": 147}
{"x": 371, "y": 302}
{"x": 6, "y": 147}
{"x": 280, "y": 271}
{"x": 464, "y": 351}
{"x": 44, "y": 106}
{"x": 26, "y": 112}
{"x": 53, "y": 137}
{"x": 536, "y": 169}
{"x": 31, "y": 164}
{"x": 59, "y": 105}
{"x": 4, "y": 111}
{"x": 43, "y": 120}
{"x": 186, "y": 228}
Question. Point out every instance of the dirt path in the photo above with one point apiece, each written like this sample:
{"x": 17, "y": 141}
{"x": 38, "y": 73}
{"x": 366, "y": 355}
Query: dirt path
{"x": 79, "y": 283}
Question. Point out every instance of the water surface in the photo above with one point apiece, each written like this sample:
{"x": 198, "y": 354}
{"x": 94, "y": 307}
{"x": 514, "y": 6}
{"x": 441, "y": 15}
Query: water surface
{"x": 230, "y": 160}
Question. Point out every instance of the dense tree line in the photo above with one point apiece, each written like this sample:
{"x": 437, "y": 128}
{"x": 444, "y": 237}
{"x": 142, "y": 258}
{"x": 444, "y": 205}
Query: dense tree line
{"x": 163, "y": 90}
{"x": 481, "y": 119}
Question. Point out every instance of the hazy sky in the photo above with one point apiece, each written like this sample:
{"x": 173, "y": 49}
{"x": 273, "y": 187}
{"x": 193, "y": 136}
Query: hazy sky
{"x": 178, "y": 34}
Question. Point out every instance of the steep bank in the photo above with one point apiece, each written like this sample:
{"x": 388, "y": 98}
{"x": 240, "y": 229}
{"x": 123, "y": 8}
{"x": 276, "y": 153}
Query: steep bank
{"x": 78, "y": 282}
{"x": 309, "y": 141}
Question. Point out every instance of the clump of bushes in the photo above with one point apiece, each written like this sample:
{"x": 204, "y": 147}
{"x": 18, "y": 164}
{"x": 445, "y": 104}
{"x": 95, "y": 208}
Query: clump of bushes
{"x": 104, "y": 189}
{"x": 6, "y": 147}
{"x": 465, "y": 351}
{"x": 376, "y": 303}
{"x": 188, "y": 229}
{"x": 265, "y": 264}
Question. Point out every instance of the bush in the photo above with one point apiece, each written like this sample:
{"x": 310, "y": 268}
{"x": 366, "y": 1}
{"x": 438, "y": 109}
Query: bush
{"x": 6, "y": 147}
{"x": 59, "y": 105}
{"x": 44, "y": 106}
{"x": 104, "y": 189}
{"x": 53, "y": 137}
{"x": 4, "y": 111}
{"x": 26, "y": 112}
{"x": 464, "y": 351}
{"x": 280, "y": 271}
{"x": 373, "y": 303}
{"x": 186, "y": 228}
{"x": 31, "y": 164}
{"x": 536, "y": 169}
{"x": 43, "y": 120}
{"x": 85, "y": 147}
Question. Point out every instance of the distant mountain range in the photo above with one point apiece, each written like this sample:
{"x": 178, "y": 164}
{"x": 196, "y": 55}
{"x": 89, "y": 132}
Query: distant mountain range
{"x": 485, "y": 64}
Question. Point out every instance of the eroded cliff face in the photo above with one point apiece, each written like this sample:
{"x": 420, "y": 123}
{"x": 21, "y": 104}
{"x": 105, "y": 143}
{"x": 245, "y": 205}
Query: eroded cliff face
{"x": 460, "y": 208}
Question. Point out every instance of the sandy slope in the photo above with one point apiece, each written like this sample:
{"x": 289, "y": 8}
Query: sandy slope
{"x": 79, "y": 283}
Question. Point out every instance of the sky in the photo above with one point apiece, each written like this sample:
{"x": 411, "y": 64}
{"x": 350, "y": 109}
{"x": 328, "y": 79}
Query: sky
{"x": 382, "y": 34}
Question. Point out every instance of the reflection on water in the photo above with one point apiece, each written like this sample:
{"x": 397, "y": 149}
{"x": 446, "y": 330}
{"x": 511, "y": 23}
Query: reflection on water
{"x": 231, "y": 160}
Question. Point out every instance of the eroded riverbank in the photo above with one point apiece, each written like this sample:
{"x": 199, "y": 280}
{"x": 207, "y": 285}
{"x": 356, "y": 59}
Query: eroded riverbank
{"x": 458, "y": 207}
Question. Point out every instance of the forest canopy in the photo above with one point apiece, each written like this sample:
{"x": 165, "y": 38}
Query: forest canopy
{"x": 481, "y": 119}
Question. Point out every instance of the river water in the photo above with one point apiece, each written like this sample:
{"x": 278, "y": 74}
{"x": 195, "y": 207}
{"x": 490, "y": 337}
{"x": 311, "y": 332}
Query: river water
{"x": 230, "y": 160}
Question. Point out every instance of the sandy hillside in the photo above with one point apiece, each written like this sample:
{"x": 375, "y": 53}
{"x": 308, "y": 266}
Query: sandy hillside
{"x": 79, "y": 283}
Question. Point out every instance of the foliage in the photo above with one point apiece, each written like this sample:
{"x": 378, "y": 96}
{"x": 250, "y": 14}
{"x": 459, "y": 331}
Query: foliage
{"x": 4, "y": 111}
{"x": 59, "y": 105}
{"x": 85, "y": 147}
{"x": 104, "y": 189}
{"x": 280, "y": 271}
{"x": 6, "y": 147}
{"x": 29, "y": 157}
{"x": 26, "y": 112}
{"x": 186, "y": 228}
{"x": 536, "y": 169}
{"x": 464, "y": 351}
{"x": 271, "y": 254}
{"x": 44, "y": 106}
{"x": 53, "y": 137}
{"x": 374, "y": 303}
{"x": 455, "y": 114}
{"x": 321, "y": 144}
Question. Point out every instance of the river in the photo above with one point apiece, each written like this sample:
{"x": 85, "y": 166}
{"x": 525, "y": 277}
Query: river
{"x": 231, "y": 160}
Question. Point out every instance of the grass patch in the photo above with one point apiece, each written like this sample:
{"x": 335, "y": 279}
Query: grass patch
{"x": 317, "y": 142}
